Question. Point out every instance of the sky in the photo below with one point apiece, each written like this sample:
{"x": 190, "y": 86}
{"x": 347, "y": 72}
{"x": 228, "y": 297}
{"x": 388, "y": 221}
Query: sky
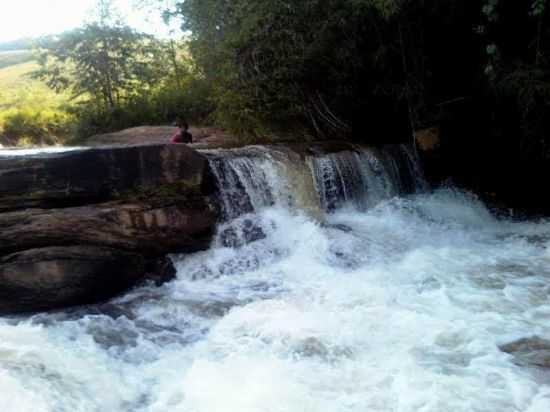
{"x": 33, "y": 18}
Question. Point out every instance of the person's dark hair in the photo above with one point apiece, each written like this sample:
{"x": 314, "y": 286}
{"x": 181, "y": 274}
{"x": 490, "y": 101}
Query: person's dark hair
{"x": 182, "y": 124}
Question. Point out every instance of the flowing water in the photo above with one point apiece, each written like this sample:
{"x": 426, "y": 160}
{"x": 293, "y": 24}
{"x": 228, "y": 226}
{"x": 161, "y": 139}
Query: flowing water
{"x": 336, "y": 285}
{"x": 34, "y": 152}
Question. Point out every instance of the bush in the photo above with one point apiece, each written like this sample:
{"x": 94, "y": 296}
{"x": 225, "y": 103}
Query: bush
{"x": 35, "y": 127}
{"x": 191, "y": 100}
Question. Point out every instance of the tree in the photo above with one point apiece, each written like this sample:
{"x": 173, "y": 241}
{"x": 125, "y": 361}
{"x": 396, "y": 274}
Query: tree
{"x": 517, "y": 68}
{"x": 295, "y": 63}
{"x": 105, "y": 60}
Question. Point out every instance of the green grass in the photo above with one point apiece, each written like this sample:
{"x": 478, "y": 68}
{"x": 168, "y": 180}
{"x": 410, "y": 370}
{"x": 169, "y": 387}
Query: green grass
{"x": 19, "y": 90}
{"x": 30, "y": 112}
{"x": 11, "y": 58}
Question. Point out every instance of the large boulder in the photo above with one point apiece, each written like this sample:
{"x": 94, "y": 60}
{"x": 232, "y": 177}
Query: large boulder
{"x": 42, "y": 279}
{"x": 79, "y": 177}
{"x": 81, "y": 226}
{"x": 152, "y": 230}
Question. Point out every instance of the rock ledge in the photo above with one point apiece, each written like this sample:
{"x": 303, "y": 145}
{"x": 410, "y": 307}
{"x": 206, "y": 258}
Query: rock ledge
{"x": 81, "y": 226}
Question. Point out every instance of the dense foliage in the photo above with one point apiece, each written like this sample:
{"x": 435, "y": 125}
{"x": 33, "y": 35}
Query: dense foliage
{"x": 289, "y": 64}
{"x": 334, "y": 65}
{"x": 121, "y": 78}
{"x": 108, "y": 63}
{"x": 371, "y": 70}
{"x": 106, "y": 77}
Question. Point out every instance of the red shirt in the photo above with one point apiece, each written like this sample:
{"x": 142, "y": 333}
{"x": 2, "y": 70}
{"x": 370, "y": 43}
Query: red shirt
{"x": 177, "y": 138}
{"x": 181, "y": 137}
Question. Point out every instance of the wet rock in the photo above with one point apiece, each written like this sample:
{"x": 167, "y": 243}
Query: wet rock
{"x": 81, "y": 226}
{"x": 340, "y": 227}
{"x": 311, "y": 347}
{"x": 48, "y": 278}
{"x": 161, "y": 271}
{"x": 80, "y": 177}
{"x": 211, "y": 308}
{"x": 532, "y": 351}
{"x": 111, "y": 334}
{"x": 152, "y": 228}
{"x": 428, "y": 139}
{"x": 314, "y": 348}
{"x": 241, "y": 233}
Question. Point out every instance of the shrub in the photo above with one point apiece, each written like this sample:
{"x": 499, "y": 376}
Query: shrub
{"x": 31, "y": 127}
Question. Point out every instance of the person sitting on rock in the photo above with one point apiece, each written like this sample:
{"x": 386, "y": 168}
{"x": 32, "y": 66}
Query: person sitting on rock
{"x": 182, "y": 135}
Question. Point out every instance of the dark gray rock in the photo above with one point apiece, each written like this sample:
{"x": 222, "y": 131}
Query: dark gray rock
{"x": 160, "y": 271}
{"x": 79, "y": 227}
{"x": 240, "y": 233}
{"x": 48, "y": 278}
{"x": 180, "y": 224}
{"x": 532, "y": 351}
{"x": 86, "y": 176}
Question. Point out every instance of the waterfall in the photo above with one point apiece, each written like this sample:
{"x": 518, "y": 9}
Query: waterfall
{"x": 251, "y": 178}
{"x": 256, "y": 177}
{"x": 243, "y": 185}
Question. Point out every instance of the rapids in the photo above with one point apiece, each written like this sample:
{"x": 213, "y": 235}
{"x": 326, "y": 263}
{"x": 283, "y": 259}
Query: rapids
{"x": 373, "y": 295}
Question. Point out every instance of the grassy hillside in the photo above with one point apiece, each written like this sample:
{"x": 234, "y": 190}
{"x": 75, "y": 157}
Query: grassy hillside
{"x": 29, "y": 110}
{"x": 10, "y": 58}
{"x": 19, "y": 90}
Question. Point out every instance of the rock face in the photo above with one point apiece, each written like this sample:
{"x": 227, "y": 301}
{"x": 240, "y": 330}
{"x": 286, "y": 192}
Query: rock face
{"x": 203, "y": 137}
{"x": 179, "y": 224}
{"x": 41, "y": 279}
{"x": 532, "y": 351}
{"x": 428, "y": 143}
{"x": 82, "y": 177}
{"x": 427, "y": 139}
{"x": 81, "y": 226}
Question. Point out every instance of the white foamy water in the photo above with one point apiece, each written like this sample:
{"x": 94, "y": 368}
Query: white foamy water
{"x": 398, "y": 308}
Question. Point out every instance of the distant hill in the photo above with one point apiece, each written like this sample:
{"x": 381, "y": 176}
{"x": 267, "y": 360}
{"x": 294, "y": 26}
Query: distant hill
{"x": 16, "y": 52}
{"x": 19, "y": 44}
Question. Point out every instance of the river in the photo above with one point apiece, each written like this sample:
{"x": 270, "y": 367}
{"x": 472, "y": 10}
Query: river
{"x": 375, "y": 295}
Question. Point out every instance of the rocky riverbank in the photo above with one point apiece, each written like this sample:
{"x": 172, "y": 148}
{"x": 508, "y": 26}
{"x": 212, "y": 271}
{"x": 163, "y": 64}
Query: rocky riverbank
{"x": 81, "y": 226}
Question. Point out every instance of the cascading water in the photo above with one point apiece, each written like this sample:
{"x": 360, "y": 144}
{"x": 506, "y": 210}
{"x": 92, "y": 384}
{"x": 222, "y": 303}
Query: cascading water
{"x": 257, "y": 177}
{"x": 387, "y": 303}
{"x": 363, "y": 177}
